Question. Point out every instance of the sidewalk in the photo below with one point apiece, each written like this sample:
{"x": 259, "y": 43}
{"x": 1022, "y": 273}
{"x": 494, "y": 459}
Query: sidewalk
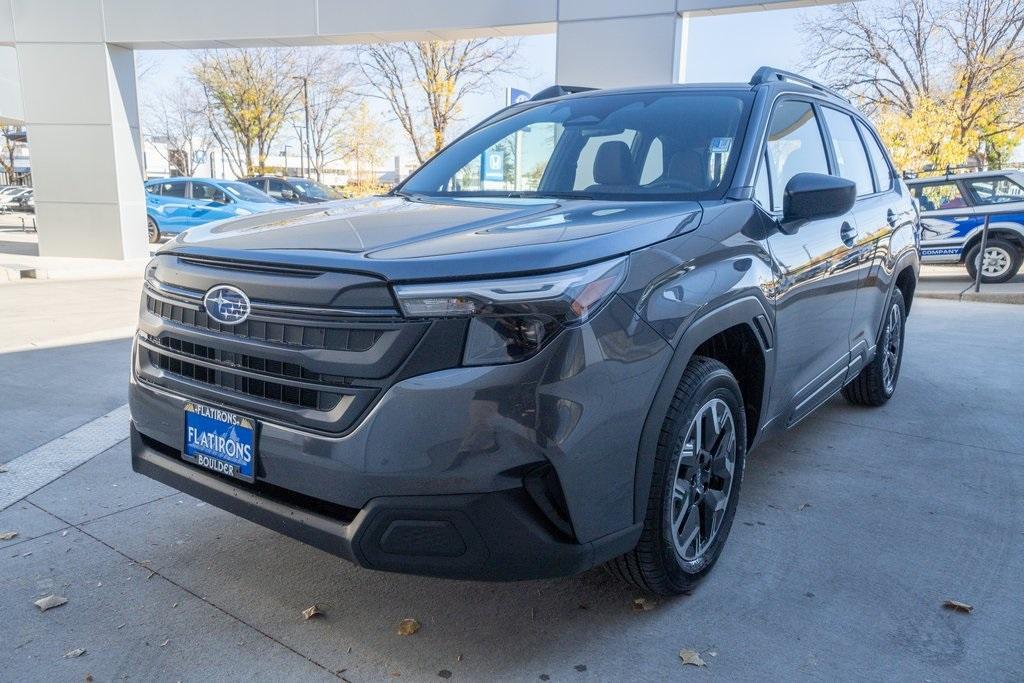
{"x": 20, "y": 260}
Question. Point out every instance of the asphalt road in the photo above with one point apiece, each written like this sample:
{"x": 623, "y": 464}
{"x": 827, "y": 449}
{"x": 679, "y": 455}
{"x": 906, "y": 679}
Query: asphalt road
{"x": 851, "y": 532}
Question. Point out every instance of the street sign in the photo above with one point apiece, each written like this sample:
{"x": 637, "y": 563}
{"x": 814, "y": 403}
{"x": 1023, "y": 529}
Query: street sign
{"x": 515, "y": 96}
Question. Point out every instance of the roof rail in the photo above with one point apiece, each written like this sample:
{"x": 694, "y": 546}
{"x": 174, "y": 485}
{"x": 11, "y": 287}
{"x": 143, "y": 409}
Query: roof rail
{"x": 950, "y": 170}
{"x": 767, "y": 74}
{"x": 558, "y": 91}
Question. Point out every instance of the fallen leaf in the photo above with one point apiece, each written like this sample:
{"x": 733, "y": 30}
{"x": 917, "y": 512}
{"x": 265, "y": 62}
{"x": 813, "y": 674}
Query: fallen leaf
{"x": 88, "y": 678}
{"x": 311, "y": 611}
{"x": 691, "y": 657}
{"x": 643, "y": 605}
{"x": 407, "y": 627}
{"x": 444, "y": 673}
{"x": 2, "y": 469}
{"x": 165, "y": 642}
{"x": 804, "y": 506}
{"x": 49, "y": 602}
{"x": 64, "y": 533}
{"x": 77, "y": 652}
{"x": 958, "y": 606}
{"x": 580, "y": 667}
{"x": 7, "y": 535}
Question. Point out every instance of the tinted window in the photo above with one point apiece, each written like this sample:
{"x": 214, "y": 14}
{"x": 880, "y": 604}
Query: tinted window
{"x": 175, "y": 189}
{"x": 794, "y": 146}
{"x": 151, "y": 189}
{"x": 275, "y": 187}
{"x": 588, "y": 147}
{"x": 883, "y": 172}
{"x": 939, "y": 196}
{"x": 998, "y": 190}
{"x": 851, "y": 159}
{"x": 205, "y": 192}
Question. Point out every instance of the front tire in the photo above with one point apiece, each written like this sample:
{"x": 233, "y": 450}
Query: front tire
{"x": 1002, "y": 261}
{"x": 154, "y": 231}
{"x": 876, "y": 382}
{"x": 698, "y": 470}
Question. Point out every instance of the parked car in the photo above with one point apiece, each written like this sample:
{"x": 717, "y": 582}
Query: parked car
{"x": 293, "y": 190}
{"x": 9, "y": 199}
{"x": 953, "y": 211}
{"x": 177, "y": 204}
{"x": 517, "y": 370}
{"x": 25, "y": 201}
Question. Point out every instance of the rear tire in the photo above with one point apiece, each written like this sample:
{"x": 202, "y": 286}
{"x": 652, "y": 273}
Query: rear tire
{"x": 876, "y": 382}
{"x": 154, "y": 231}
{"x": 1002, "y": 261}
{"x": 698, "y": 470}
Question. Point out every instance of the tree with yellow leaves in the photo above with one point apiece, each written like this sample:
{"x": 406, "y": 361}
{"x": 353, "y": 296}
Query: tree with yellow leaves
{"x": 944, "y": 80}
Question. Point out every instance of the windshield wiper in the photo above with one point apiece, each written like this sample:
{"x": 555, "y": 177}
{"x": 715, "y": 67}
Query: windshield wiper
{"x": 552, "y": 195}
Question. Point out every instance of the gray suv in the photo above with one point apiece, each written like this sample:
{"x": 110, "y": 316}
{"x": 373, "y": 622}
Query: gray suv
{"x": 550, "y": 348}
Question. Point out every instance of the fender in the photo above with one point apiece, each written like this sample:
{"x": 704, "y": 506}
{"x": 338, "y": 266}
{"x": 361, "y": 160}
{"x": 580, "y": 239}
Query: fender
{"x": 910, "y": 257}
{"x": 741, "y": 311}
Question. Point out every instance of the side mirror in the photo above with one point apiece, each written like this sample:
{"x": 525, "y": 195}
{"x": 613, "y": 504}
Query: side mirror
{"x": 815, "y": 195}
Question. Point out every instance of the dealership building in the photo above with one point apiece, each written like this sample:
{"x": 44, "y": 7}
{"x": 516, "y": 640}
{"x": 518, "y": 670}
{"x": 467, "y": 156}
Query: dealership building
{"x": 67, "y": 72}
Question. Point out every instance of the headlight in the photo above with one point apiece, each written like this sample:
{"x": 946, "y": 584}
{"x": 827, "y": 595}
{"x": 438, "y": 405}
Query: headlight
{"x": 513, "y": 318}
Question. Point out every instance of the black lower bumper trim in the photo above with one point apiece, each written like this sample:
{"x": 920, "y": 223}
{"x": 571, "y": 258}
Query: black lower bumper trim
{"x": 491, "y": 536}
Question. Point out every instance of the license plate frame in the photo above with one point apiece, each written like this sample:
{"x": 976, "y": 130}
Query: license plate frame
{"x": 220, "y": 440}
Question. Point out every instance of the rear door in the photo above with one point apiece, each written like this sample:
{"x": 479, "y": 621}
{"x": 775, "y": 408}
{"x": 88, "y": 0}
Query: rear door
{"x": 947, "y": 219}
{"x": 171, "y": 206}
{"x": 878, "y": 210}
{"x": 816, "y": 287}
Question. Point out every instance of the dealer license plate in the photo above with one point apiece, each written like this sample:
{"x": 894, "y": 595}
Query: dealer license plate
{"x": 220, "y": 440}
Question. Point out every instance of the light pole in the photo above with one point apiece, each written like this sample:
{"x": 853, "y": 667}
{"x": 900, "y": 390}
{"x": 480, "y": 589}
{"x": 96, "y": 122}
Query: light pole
{"x": 305, "y": 106}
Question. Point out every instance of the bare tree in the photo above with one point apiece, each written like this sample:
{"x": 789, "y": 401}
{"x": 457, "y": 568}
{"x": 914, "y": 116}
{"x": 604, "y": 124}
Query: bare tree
{"x": 425, "y": 84}
{"x": 179, "y": 119}
{"x": 331, "y": 98}
{"x": 12, "y": 135}
{"x": 248, "y": 93}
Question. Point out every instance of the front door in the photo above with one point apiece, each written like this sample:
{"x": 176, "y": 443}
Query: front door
{"x": 816, "y": 278}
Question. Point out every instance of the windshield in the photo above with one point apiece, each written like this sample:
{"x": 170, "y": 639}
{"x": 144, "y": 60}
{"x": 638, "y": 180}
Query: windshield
{"x": 247, "y": 193}
{"x": 653, "y": 145}
{"x": 314, "y": 189}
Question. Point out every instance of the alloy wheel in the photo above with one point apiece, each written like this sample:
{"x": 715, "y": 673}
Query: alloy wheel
{"x": 996, "y": 262}
{"x": 703, "y": 481}
{"x": 891, "y": 352}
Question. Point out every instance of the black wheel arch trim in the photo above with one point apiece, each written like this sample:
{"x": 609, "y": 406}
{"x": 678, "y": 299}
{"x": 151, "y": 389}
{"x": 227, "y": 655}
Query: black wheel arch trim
{"x": 742, "y": 311}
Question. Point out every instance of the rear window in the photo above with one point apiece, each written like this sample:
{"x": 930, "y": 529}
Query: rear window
{"x": 998, "y": 190}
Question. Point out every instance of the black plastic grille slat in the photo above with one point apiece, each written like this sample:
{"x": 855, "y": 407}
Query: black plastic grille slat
{"x": 322, "y": 400}
{"x": 309, "y": 336}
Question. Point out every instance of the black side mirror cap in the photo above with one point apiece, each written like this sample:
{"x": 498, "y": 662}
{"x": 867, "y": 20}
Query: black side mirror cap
{"x": 816, "y": 195}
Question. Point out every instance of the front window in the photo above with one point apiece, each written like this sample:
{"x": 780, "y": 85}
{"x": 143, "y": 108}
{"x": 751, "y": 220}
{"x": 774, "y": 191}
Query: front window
{"x": 939, "y": 196}
{"x": 246, "y": 193}
{"x": 310, "y": 188}
{"x": 657, "y": 146}
{"x": 794, "y": 146}
{"x": 999, "y": 190}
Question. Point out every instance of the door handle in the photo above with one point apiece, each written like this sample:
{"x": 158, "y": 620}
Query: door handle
{"x": 848, "y": 233}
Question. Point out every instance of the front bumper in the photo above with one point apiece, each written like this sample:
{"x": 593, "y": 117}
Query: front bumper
{"x": 493, "y": 536}
{"x": 505, "y": 472}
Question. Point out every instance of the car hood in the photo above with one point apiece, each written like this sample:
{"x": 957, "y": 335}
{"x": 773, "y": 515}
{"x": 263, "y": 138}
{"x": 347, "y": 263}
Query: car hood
{"x": 407, "y": 239}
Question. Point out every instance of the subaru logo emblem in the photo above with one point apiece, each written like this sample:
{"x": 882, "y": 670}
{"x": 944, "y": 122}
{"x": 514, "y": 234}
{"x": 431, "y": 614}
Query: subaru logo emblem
{"x": 226, "y": 304}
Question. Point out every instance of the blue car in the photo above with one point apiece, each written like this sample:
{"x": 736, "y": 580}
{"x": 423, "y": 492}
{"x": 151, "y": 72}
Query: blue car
{"x": 174, "y": 205}
{"x": 953, "y": 211}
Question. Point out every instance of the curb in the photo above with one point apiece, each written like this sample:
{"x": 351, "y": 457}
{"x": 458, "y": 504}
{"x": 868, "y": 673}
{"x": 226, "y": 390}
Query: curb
{"x": 983, "y": 297}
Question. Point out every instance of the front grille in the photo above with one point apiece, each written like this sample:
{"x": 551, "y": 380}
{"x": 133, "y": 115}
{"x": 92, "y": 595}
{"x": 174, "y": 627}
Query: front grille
{"x": 266, "y": 389}
{"x": 357, "y": 340}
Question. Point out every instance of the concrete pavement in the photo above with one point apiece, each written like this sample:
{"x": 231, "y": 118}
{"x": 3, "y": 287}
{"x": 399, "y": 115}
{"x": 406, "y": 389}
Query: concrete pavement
{"x": 851, "y": 531}
{"x": 952, "y": 282}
